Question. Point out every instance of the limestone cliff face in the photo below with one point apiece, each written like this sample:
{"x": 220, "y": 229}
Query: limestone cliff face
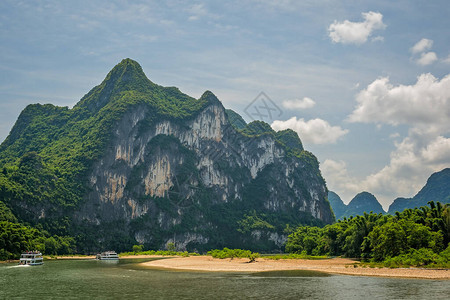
{"x": 134, "y": 162}
{"x": 172, "y": 181}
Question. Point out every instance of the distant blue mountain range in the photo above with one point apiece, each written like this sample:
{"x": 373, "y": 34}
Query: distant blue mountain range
{"x": 436, "y": 189}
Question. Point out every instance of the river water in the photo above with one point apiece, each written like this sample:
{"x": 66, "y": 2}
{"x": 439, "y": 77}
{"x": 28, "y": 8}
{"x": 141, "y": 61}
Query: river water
{"x": 126, "y": 279}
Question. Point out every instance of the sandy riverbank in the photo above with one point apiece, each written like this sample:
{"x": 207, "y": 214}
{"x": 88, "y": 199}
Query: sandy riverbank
{"x": 335, "y": 265}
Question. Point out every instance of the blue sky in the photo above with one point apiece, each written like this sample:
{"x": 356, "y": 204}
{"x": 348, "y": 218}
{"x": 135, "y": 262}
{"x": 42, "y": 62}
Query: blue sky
{"x": 366, "y": 84}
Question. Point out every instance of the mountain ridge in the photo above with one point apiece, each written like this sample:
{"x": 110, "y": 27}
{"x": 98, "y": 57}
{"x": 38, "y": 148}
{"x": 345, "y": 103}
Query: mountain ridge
{"x": 135, "y": 162}
{"x": 361, "y": 203}
{"x": 437, "y": 189}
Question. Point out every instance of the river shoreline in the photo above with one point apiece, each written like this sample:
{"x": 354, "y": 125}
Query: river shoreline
{"x": 334, "y": 266}
{"x": 342, "y": 266}
{"x": 85, "y": 257}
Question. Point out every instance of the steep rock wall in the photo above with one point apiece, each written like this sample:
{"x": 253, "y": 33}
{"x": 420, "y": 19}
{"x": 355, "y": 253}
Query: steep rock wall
{"x": 159, "y": 173}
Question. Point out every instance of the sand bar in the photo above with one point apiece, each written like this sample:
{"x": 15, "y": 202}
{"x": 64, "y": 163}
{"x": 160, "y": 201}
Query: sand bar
{"x": 335, "y": 265}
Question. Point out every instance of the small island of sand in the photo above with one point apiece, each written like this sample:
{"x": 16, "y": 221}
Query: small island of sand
{"x": 334, "y": 265}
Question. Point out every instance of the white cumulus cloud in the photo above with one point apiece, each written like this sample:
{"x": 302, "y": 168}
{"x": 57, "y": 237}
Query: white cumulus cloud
{"x": 348, "y": 32}
{"x": 299, "y": 103}
{"x": 427, "y": 58}
{"x": 425, "y": 103}
{"x": 422, "y": 46}
{"x": 315, "y": 131}
{"x": 437, "y": 151}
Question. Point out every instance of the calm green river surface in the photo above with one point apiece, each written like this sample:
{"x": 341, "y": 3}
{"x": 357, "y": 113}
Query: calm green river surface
{"x": 91, "y": 279}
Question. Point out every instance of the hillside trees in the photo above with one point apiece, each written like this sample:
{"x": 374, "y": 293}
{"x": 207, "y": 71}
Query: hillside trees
{"x": 376, "y": 237}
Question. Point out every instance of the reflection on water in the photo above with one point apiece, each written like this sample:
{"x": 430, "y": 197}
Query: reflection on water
{"x": 71, "y": 279}
{"x": 291, "y": 273}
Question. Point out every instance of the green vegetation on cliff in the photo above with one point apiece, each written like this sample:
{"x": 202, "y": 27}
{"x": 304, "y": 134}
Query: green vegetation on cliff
{"x": 256, "y": 128}
{"x": 287, "y": 138}
{"x": 235, "y": 119}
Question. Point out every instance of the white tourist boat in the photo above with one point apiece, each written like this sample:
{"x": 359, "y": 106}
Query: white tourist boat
{"x": 108, "y": 255}
{"x": 31, "y": 258}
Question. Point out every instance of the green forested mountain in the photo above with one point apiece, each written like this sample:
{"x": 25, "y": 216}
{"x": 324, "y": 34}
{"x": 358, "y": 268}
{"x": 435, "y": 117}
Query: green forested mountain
{"x": 235, "y": 119}
{"x": 437, "y": 188}
{"x": 137, "y": 163}
{"x": 337, "y": 205}
{"x": 6, "y": 214}
{"x": 362, "y": 203}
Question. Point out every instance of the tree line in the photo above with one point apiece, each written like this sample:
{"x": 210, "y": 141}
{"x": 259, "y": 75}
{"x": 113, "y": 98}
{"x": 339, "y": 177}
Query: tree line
{"x": 417, "y": 236}
{"x": 16, "y": 238}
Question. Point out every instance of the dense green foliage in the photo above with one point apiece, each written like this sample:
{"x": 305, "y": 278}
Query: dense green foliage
{"x": 16, "y": 238}
{"x": 410, "y": 236}
{"x": 235, "y": 119}
{"x": 254, "y": 222}
{"x": 289, "y": 139}
{"x": 419, "y": 258}
{"x": 234, "y": 253}
{"x": 256, "y": 128}
{"x": 138, "y": 248}
{"x": 6, "y": 214}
